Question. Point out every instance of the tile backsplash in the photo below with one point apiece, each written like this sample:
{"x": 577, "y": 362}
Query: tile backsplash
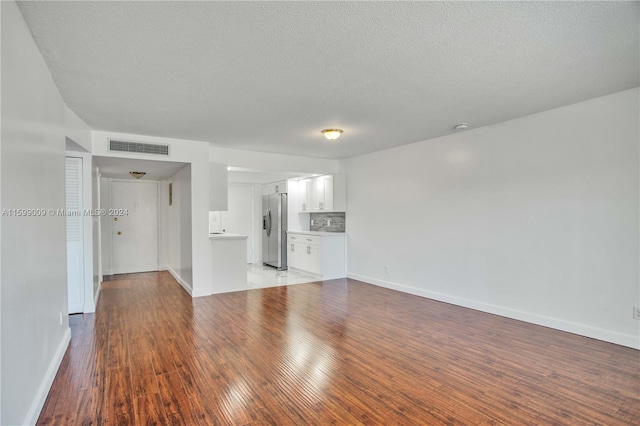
{"x": 320, "y": 222}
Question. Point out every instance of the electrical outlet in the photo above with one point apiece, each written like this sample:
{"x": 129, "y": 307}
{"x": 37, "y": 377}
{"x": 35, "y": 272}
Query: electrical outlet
{"x": 312, "y": 222}
{"x": 386, "y": 269}
{"x": 328, "y": 222}
{"x": 636, "y": 312}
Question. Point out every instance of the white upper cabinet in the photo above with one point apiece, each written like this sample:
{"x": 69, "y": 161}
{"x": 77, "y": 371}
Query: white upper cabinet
{"x": 280, "y": 187}
{"x": 323, "y": 194}
{"x": 304, "y": 195}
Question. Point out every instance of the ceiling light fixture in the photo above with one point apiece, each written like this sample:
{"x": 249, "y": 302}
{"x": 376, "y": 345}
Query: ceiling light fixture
{"x": 462, "y": 126}
{"x": 332, "y": 134}
{"x": 137, "y": 175}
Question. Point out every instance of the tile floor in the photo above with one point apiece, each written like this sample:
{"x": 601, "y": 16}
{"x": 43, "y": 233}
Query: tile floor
{"x": 260, "y": 276}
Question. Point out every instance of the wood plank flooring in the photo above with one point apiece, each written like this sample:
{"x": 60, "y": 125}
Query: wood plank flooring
{"x": 339, "y": 352}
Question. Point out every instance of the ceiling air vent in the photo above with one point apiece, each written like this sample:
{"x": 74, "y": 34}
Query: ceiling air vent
{"x": 140, "y": 148}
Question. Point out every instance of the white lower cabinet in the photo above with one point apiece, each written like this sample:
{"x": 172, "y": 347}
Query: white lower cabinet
{"x": 322, "y": 255}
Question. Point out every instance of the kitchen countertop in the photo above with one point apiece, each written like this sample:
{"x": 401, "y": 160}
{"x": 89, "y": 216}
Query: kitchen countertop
{"x": 316, "y": 233}
{"x": 227, "y": 236}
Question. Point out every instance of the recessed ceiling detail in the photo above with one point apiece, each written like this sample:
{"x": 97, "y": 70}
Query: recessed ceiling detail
{"x": 258, "y": 75}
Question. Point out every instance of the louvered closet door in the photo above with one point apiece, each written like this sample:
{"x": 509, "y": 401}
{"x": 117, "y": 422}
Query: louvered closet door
{"x": 75, "y": 237}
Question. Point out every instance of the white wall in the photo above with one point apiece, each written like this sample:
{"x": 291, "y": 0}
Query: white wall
{"x": 218, "y": 187}
{"x": 194, "y": 153}
{"x": 33, "y": 249}
{"x": 240, "y": 216}
{"x": 178, "y": 229}
{"x": 163, "y": 224}
{"x": 77, "y": 130}
{"x": 534, "y": 218}
{"x": 105, "y": 226}
{"x": 257, "y": 221}
{"x": 217, "y": 219}
{"x": 263, "y": 161}
{"x": 97, "y": 235}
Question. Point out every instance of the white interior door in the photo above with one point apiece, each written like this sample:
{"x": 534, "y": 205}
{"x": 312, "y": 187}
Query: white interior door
{"x": 75, "y": 235}
{"x": 238, "y": 219}
{"x": 134, "y": 226}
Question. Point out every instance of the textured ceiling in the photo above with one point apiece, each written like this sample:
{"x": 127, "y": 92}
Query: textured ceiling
{"x": 268, "y": 76}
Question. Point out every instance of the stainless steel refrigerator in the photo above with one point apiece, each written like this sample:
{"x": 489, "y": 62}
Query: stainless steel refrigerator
{"x": 274, "y": 230}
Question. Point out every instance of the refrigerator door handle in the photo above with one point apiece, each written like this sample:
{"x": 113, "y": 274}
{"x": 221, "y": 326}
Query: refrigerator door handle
{"x": 268, "y": 222}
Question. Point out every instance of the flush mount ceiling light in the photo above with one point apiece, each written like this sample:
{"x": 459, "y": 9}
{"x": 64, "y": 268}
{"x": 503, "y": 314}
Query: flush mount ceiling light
{"x": 332, "y": 134}
{"x": 137, "y": 175}
{"x": 462, "y": 126}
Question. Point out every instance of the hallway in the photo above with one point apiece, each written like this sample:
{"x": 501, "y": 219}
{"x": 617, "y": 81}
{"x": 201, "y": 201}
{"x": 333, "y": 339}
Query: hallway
{"x": 338, "y": 352}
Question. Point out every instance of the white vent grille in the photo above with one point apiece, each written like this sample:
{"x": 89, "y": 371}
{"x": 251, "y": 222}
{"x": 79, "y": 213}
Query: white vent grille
{"x": 141, "y": 148}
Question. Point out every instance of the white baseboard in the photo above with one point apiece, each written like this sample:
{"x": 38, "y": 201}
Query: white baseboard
{"x": 200, "y": 294}
{"x": 97, "y": 295}
{"x": 311, "y": 274}
{"x": 90, "y": 308}
{"x": 182, "y": 282}
{"x": 555, "y": 323}
{"x": 47, "y": 381}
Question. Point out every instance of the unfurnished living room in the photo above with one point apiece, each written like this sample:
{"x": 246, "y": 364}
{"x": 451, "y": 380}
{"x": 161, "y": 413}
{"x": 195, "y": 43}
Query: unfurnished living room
{"x": 313, "y": 213}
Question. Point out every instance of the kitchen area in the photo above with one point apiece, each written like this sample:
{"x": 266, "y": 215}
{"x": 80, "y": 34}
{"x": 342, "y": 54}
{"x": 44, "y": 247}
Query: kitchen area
{"x": 278, "y": 229}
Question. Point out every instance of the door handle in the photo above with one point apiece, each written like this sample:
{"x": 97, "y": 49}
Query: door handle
{"x": 119, "y": 232}
{"x": 268, "y": 222}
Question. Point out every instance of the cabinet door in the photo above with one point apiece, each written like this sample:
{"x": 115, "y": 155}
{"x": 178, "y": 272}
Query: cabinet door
{"x": 294, "y": 255}
{"x": 327, "y": 186}
{"x": 313, "y": 262}
{"x": 305, "y": 191}
{"x": 318, "y": 193}
{"x": 322, "y": 193}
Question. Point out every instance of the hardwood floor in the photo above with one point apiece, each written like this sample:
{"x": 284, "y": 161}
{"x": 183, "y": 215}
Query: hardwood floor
{"x": 340, "y": 352}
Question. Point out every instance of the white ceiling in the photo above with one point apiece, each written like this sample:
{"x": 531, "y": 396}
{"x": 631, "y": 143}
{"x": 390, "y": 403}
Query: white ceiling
{"x": 268, "y": 76}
